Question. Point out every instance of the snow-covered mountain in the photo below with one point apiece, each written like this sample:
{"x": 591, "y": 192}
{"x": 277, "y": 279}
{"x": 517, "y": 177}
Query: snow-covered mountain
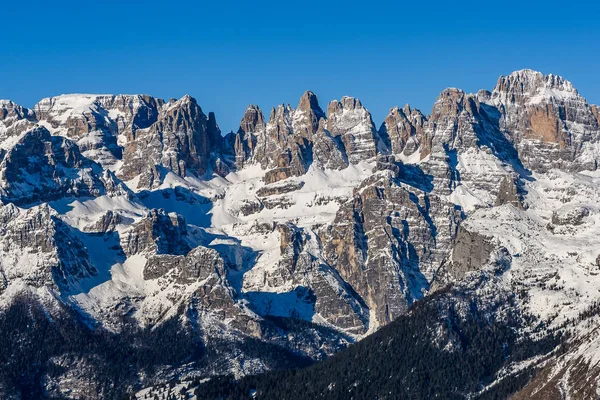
{"x": 296, "y": 235}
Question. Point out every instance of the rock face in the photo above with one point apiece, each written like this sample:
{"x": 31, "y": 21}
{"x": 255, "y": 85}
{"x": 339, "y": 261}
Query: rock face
{"x": 549, "y": 122}
{"x": 180, "y": 140}
{"x": 471, "y": 252}
{"x": 570, "y": 215}
{"x": 39, "y": 249}
{"x": 245, "y": 141}
{"x": 328, "y": 151}
{"x": 98, "y": 124}
{"x": 508, "y": 193}
{"x": 199, "y": 264}
{"x": 158, "y": 233}
{"x": 316, "y": 283}
{"x": 404, "y": 129}
{"x": 41, "y": 167}
{"x": 349, "y": 120}
{"x": 14, "y": 120}
{"x": 383, "y": 243}
{"x": 147, "y": 136}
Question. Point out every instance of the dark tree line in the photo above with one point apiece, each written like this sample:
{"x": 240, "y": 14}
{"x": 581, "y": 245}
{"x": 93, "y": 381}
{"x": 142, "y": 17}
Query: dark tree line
{"x": 432, "y": 353}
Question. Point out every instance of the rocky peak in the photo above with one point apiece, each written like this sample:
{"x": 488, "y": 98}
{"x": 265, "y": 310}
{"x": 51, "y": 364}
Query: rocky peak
{"x": 346, "y": 103}
{"x": 449, "y": 103}
{"x": 350, "y": 121}
{"x": 525, "y": 84}
{"x": 307, "y": 115}
{"x": 281, "y": 115}
{"x": 403, "y": 128}
{"x": 550, "y": 123}
{"x": 14, "y": 120}
{"x": 253, "y": 120}
{"x": 327, "y": 151}
{"x": 181, "y": 140}
{"x": 56, "y": 257}
{"x": 9, "y": 109}
{"x": 183, "y": 115}
{"x": 214, "y": 132}
{"x": 309, "y": 101}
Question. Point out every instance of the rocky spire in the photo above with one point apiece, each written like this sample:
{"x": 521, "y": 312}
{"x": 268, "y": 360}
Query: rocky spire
{"x": 350, "y": 121}
{"x": 252, "y": 121}
{"x": 307, "y": 115}
{"x": 404, "y": 128}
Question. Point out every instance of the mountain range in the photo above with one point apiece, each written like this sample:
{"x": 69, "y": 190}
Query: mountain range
{"x": 142, "y": 249}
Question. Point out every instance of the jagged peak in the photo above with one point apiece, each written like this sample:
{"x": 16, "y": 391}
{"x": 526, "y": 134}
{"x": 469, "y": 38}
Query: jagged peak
{"x": 530, "y": 83}
{"x": 526, "y": 72}
{"x": 253, "y": 107}
{"x": 282, "y": 110}
{"x": 253, "y": 119}
{"x": 346, "y": 103}
{"x": 38, "y": 132}
{"x": 10, "y": 108}
{"x": 186, "y": 102}
{"x": 310, "y": 101}
{"x": 405, "y": 111}
{"x": 451, "y": 92}
{"x": 187, "y": 99}
{"x": 8, "y": 103}
{"x": 351, "y": 102}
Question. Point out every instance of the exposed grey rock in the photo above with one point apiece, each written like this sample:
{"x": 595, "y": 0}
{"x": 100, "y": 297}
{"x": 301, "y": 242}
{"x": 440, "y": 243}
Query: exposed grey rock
{"x": 251, "y": 206}
{"x": 156, "y": 233}
{"x": 99, "y": 124}
{"x": 349, "y": 120}
{"x": 551, "y": 125}
{"x": 198, "y": 264}
{"x": 307, "y": 116}
{"x": 278, "y": 188}
{"x": 180, "y": 140}
{"x": 14, "y": 120}
{"x": 107, "y": 223}
{"x": 328, "y": 152}
{"x": 384, "y": 243}
{"x": 298, "y": 266}
{"x": 471, "y": 252}
{"x": 56, "y": 257}
{"x": 41, "y": 167}
{"x": 404, "y": 129}
{"x": 570, "y": 215}
{"x": 508, "y": 193}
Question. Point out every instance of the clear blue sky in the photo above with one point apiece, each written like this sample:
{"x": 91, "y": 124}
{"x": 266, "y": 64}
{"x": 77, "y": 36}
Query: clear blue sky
{"x": 229, "y": 54}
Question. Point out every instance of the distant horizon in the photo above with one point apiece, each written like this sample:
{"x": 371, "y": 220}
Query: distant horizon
{"x": 228, "y": 55}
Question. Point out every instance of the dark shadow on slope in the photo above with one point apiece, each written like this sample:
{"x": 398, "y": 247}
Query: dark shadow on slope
{"x": 413, "y": 175}
{"x": 298, "y": 303}
{"x": 181, "y": 200}
{"x": 489, "y": 134}
{"x": 104, "y": 251}
{"x": 454, "y": 177}
{"x": 406, "y": 256}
